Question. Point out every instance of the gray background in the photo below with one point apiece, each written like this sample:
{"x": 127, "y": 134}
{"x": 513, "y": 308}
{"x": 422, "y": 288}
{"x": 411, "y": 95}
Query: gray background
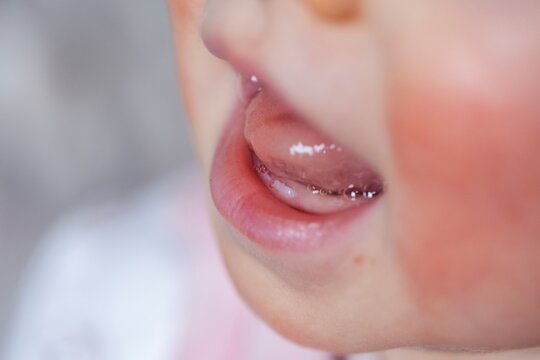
{"x": 89, "y": 111}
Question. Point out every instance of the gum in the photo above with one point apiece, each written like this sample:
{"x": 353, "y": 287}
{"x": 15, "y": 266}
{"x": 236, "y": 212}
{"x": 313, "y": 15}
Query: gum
{"x": 308, "y": 198}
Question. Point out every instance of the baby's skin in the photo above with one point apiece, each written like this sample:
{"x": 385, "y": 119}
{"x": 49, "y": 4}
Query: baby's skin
{"x": 434, "y": 107}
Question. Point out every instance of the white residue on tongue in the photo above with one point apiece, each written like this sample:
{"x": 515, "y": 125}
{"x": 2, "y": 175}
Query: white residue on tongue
{"x": 301, "y": 149}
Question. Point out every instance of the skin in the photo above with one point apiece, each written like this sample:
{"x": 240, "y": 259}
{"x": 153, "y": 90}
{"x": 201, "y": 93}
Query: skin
{"x": 441, "y": 98}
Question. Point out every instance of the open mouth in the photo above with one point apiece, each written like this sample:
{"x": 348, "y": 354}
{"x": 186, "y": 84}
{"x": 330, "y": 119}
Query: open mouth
{"x": 282, "y": 183}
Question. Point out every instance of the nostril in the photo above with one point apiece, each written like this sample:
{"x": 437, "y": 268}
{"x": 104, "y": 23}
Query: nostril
{"x": 231, "y": 28}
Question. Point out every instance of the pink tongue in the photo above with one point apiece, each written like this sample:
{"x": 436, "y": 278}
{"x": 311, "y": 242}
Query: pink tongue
{"x": 291, "y": 148}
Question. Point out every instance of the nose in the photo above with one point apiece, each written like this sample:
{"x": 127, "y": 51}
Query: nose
{"x": 232, "y": 29}
{"x": 335, "y": 10}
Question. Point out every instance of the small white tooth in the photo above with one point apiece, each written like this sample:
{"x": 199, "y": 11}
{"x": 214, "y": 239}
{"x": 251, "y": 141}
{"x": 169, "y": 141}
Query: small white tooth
{"x": 283, "y": 189}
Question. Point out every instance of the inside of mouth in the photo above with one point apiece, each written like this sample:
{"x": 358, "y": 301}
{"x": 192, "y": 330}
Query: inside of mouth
{"x": 301, "y": 166}
{"x": 312, "y": 198}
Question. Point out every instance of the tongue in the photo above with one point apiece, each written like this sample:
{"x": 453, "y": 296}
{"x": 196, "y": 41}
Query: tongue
{"x": 292, "y": 149}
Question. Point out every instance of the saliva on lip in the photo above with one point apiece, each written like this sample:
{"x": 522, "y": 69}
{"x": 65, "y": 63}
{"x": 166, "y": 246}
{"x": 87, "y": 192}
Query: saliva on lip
{"x": 352, "y": 192}
{"x": 248, "y": 87}
{"x": 312, "y": 198}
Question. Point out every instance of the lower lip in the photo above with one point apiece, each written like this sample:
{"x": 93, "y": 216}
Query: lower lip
{"x": 245, "y": 202}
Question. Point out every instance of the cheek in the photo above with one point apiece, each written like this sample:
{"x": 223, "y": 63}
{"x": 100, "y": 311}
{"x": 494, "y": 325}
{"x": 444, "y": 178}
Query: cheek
{"x": 466, "y": 201}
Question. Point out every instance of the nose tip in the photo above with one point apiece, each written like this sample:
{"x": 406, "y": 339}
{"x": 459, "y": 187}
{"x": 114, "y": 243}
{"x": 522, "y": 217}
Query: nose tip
{"x": 213, "y": 42}
{"x": 337, "y": 10}
{"x": 232, "y": 28}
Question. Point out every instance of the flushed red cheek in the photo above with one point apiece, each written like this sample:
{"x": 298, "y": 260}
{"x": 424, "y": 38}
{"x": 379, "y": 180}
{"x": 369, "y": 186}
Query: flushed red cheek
{"x": 467, "y": 198}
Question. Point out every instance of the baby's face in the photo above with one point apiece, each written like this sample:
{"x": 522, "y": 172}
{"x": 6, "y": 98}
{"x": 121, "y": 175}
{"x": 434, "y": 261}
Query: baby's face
{"x": 437, "y": 102}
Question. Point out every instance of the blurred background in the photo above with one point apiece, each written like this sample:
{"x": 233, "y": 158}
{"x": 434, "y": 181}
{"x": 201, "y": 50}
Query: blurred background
{"x": 90, "y": 113}
{"x": 106, "y": 252}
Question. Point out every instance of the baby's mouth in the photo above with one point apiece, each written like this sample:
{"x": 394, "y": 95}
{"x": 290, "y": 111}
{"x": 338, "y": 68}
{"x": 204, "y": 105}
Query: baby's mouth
{"x": 284, "y": 185}
{"x": 300, "y": 166}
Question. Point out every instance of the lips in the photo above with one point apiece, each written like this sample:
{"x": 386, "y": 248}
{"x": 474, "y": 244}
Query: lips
{"x": 283, "y": 184}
